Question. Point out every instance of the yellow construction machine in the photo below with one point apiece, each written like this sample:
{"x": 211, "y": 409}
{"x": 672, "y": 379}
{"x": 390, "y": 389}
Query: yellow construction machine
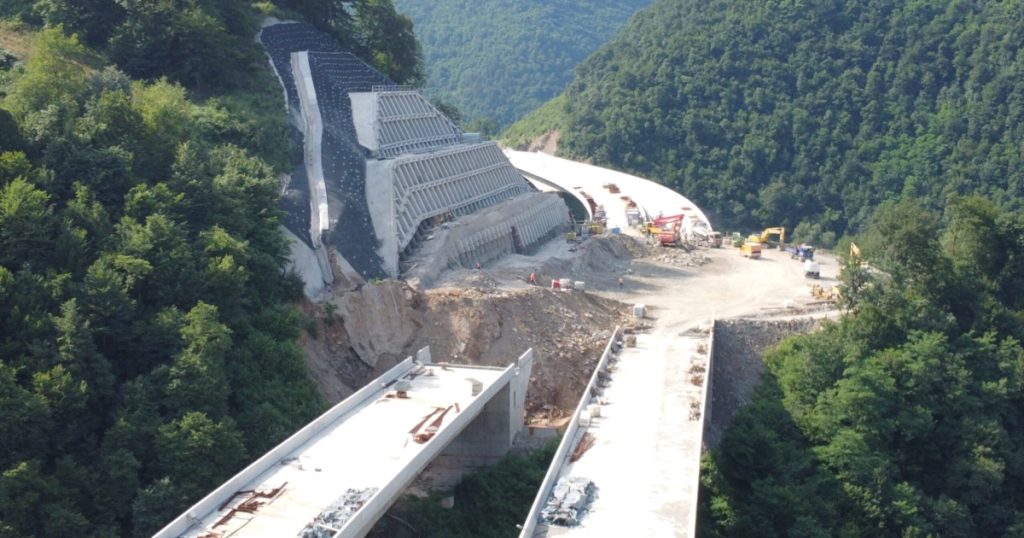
{"x": 750, "y": 249}
{"x": 767, "y": 234}
{"x": 825, "y": 294}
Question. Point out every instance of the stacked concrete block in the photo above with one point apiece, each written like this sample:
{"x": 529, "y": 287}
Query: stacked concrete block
{"x": 516, "y": 233}
{"x": 459, "y": 180}
{"x": 380, "y": 162}
{"x": 406, "y": 122}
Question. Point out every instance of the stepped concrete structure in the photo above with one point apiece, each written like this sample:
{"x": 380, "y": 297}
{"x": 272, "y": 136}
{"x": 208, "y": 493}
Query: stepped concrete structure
{"x": 381, "y": 168}
{"x": 390, "y": 123}
{"x": 451, "y": 182}
{"x": 338, "y": 475}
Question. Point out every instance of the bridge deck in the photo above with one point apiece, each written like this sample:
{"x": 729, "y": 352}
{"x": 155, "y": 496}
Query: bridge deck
{"x": 348, "y": 459}
{"x": 645, "y": 459}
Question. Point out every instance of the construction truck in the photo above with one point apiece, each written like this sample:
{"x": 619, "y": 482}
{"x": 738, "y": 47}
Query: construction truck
{"x": 715, "y": 239}
{"x": 750, "y": 249}
{"x": 633, "y": 217}
{"x": 812, "y": 269}
{"x": 671, "y": 235}
{"x": 662, "y": 224}
{"x": 802, "y": 252}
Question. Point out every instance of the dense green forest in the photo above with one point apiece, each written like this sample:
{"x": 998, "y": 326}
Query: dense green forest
{"x": 904, "y": 418}
{"x": 147, "y": 337}
{"x": 496, "y": 60}
{"x": 787, "y": 113}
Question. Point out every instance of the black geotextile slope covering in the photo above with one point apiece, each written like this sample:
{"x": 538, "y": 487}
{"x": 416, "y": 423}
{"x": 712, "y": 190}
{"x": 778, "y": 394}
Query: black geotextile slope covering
{"x": 335, "y": 74}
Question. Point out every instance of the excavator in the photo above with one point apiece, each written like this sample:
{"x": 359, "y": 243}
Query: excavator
{"x": 767, "y": 234}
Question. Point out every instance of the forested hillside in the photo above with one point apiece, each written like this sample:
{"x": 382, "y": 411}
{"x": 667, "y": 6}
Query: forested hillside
{"x": 147, "y": 333}
{"x": 496, "y": 60}
{"x": 812, "y": 113}
{"x": 903, "y": 419}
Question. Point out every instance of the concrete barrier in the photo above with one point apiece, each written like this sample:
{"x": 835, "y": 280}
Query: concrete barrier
{"x": 568, "y": 441}
{"x": 705, "y": 409}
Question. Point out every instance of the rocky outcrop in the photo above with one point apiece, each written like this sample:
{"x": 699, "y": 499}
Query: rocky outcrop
{"x": 380, "y": 320}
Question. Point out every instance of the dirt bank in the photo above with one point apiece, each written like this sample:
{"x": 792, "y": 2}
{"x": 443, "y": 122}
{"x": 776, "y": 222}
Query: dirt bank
{"x": 372, "y": 329}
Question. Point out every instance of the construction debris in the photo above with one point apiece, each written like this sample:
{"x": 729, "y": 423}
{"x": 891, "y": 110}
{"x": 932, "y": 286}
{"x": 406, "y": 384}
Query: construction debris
{"x": 694, "y": 410}
{"x": 329, "y": 523}
{"x": 254, "y": 500}
{"x": 569, "y": 501}
{"x": 426, "y": 429}
{"x": 583, "y": 446}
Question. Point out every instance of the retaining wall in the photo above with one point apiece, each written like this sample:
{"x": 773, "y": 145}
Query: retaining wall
{"x": 533, "y": 225}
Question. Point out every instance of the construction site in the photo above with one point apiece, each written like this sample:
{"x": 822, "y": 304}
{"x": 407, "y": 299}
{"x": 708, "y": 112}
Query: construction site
{"x": 469, "y": 301}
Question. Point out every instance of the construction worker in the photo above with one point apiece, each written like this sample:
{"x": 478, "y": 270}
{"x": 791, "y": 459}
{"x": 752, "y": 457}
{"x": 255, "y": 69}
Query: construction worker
{"x": 533, "y": 278}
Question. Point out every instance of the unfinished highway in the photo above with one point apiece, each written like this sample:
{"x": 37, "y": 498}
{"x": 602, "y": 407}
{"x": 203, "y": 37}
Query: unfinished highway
{"x": 395, "y": 189}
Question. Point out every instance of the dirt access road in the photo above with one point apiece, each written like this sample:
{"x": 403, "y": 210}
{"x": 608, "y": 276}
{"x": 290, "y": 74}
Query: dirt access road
{"x": 678, "y": 296}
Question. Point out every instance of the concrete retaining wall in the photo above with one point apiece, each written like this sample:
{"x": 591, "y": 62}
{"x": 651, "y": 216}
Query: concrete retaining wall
{"x": 569, "y": 440}
{"x": 739, "y": 362}
{"x": 460, "y": 179}
{"x": 533, "y": 225}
